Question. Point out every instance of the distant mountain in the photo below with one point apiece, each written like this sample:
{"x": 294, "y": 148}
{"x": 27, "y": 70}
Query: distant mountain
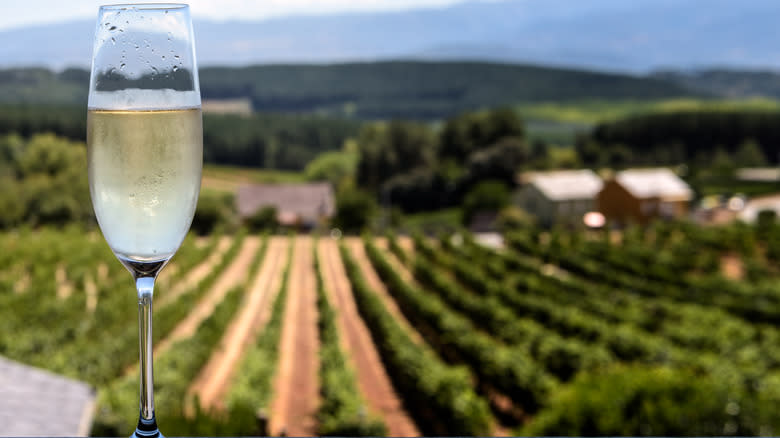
{"x": 616, "y": 35}
{"x": 402, "y": 89}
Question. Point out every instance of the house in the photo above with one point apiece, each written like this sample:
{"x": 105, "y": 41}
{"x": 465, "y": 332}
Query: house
{"x": 36, "y": 402}
{"x": 755, "y": 206}
{"x": 642, "y": 195}
{"x": 305, "y": 204}
{"x": 561, "y": 196}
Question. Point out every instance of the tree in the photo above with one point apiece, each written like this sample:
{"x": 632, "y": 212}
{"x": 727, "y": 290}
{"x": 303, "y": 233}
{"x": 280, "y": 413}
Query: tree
{"x": 47, "y": 177}
{"x": 214, "y": 209}
{"x": 749, "y": 154}
{"x": 354, "y": 210}
{"x": 333, "y": 167}
{"x": 539, "y": 154}
{"x": 465, "y": 134}
{"x": 388, "y": 149}
{"x": 500, "y": 161}
{"x": 263, "y": 219}
{"x": 487, "y": 196}
{"x": 420, "y": 189}
{"x": 722, "y": 163}
{"x": 12, "y": 205}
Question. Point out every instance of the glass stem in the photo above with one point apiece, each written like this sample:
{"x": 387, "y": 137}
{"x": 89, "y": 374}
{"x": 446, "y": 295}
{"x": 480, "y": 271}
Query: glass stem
{"x": 147, "y": 424}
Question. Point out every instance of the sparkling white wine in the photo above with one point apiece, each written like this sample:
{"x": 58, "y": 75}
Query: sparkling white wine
{"x": 144, "y": 178}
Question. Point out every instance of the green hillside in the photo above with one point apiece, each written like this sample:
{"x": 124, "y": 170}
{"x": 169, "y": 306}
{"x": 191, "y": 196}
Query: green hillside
{"x": 401, "y": 89}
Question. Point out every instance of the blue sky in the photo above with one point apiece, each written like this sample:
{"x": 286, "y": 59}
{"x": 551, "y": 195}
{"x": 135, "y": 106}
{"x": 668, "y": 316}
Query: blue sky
{"x": 17, "y": 14}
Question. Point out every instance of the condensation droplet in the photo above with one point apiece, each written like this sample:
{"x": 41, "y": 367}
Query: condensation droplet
{"x": 113, "y": 40}
{"x": 163, "y": 57}
{"x": 176, "y": 56}
{"x": 107, "y": 24}
{"x": 175, "y": 68}
{"x": 112, "y": 28}
{"x": 122, "y": 66}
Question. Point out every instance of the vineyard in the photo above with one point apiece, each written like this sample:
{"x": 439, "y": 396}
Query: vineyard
{"x": 666, "y": 330}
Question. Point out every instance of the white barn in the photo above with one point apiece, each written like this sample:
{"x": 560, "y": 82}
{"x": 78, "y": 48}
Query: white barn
{"x": 560, "y": 196}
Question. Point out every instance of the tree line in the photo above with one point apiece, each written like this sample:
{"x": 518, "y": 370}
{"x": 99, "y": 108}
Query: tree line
{"x": 274, "y": 141}
{"x": 417, "y": 167}
{"x": 747, "y": 138}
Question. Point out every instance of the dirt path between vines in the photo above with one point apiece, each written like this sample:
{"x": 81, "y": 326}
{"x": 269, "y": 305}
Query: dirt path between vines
{"x": 355, "y": 246}
{"x": 64, "y": 286}
{"x": 405, "y": 242}
{"x": 296, "y": 387}
{"x": 232, "y": 276}
{"x": 732, "y": 267}
{"x": 192, "y": 278}
{"x": 213, "y": 381}
{"x": 373, "y": 382}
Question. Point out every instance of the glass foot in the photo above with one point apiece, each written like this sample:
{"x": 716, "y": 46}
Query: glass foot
{"x": 147, "y": 429}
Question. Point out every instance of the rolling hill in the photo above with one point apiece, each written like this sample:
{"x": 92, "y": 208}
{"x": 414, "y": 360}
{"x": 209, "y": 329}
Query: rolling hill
{"x": 393, "y": 89}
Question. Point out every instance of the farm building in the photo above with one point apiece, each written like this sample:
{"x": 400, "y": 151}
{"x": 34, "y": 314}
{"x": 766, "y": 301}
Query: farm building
{"x": 561, "y": 196}
{"x": 755, "y": 206}
{"x": 39, "y": 403}
{"x": 641, "y": 195}
{"x": 296, "y": 204}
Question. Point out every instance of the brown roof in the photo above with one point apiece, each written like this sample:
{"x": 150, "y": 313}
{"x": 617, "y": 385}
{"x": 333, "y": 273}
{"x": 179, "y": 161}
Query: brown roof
{"x": 39, "y": 403}
{"x": 309, "y": 202}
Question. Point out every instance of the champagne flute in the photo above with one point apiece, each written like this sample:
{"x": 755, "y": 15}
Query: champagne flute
{"x": 144, "y": 150}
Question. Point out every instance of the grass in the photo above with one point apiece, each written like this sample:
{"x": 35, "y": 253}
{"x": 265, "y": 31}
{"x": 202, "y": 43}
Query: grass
{"x": 448, "y": 218}
{"x": 590, "y": 112}
{"x": 228, "y": 178}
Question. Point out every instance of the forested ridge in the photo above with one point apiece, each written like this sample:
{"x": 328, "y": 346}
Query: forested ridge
{"x": 392, "y": 89}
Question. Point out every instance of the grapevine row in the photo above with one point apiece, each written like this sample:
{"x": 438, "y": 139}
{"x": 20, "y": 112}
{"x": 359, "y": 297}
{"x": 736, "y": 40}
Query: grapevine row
{"x": 437, "y": 395}
{"x": 499, "y": 367}
{"x": 342, "y": 410}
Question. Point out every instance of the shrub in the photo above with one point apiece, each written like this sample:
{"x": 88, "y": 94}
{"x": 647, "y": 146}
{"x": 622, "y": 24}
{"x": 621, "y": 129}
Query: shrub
{"x": 263, "y": 219}
{"x": 646, "y": 401}
{"x": 214, "y": 209}
{"x": 487, "y": 196}
{"x": 354, "y": 210}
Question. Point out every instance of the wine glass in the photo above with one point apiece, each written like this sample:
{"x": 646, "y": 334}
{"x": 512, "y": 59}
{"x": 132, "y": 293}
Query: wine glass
{"x": 144, "y": 150}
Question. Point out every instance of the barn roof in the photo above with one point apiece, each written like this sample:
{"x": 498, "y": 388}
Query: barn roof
{"x": 36, "y": 402}
{"x": 654, "y": 183}
{"x": 308, "y": 202}
{"x": 563, "y": 185}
